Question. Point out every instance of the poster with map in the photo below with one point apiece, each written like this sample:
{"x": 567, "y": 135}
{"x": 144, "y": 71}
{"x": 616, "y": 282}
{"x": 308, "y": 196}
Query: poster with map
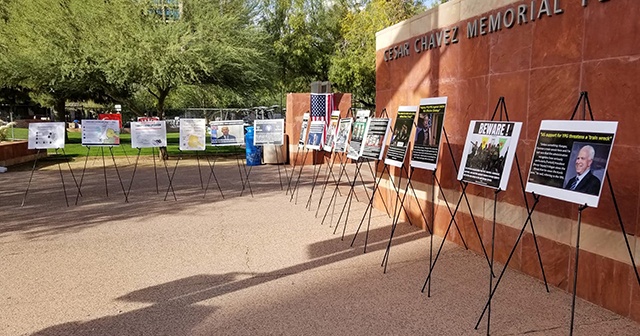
{"x": 100, "y": 132}
{"x": 192, "y": 134}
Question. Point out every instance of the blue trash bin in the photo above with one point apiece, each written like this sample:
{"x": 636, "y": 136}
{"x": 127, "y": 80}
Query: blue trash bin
{"x": 253, "y": 154}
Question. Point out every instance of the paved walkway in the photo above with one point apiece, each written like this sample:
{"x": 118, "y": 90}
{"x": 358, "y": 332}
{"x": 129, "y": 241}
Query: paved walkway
{"x": 241, "y": 265}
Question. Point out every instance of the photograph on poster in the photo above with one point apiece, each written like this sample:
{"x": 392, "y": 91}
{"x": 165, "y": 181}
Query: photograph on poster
{"x": 488, "y": 153}
{"x": 375, "y": 137}
{"x": 570, "y": 160}
{"x": 400, "y": 138}
{"x": 148, "y": 134}
{"x": 46, "y": 135}
{"x": 353, "y": 150}
{"x": 268, "y": 132}
{"x": 303, "y": 130}
{"x": 227, "y": 133}
{"x": 342, "y": 137}
{"x": 331, "y": 131}
{"x": 192, "y": 134}
{"x": 426, "y": 145}
{"x": 316, "y": 131}
{"x": 100, "y": 132}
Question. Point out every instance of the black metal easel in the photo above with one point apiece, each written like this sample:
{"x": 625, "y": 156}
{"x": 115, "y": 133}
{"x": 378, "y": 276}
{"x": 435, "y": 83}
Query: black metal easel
{"x": 64, "y": 189}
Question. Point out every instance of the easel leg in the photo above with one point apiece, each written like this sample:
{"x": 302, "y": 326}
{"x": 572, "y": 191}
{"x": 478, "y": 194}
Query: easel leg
{"x": 71, "y": 171}
{"x": 506, "y": 265}
{"x": 313, "y": 186}
{"x": 493, "y": 243}
{"x": 199, "y": 170}
{"x": 343, "y": 169}
{"x": 82, "y": 177}
{"x": 349, "y": 197}
{"x": 155, "y": 171}
{"x": 170, "y": 187}
{"x": 104, "y": 169}
{"x": 575, "y": 270}
{"x": 133, "y": 175}
{"x": 295, "y": 188}
{"x": 293, "y": 169}
{"x": 212, "y": 173}
{"x": 126, "y": 196}
{"x": 326, "y": 181}
{"x": 33, "y": 169}
{"x": 396, "y": 219}
{"x": 64, "y": 188}
{"x": 246, "y": 178}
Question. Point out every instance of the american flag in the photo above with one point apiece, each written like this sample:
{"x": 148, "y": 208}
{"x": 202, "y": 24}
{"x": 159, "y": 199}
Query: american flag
{"x": 321, "y": 107}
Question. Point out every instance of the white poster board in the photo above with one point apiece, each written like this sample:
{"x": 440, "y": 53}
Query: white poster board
{"x": 303, "y": 130}
{"x": 342, "y": 137}
{"x": 488, "y": 153}
{"x": 375, "y": 138}
{"x": 400, "y": 138}
{"x": 100, "y": 132}
{"x": 359, "y": 126}
{"x": 148, "y": 134}
{"x": 46, "y": 135}
{"x": 570, "y": 160}
{"x": 192, "y": 134}
{"x": 332, "y": 131}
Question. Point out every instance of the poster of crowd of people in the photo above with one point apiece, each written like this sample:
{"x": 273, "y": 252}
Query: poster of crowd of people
{"x": 227, "y": 133}
{"x": 362, "y": 117}
{"x": 100, "y": 132}
{"x": 401, "y": 133}
{"x": 148, "y": 134}
{"x": 193, "y": 134}
{"x": 570, "y": 160}
{"x": 46, "y": 135}
{"x": 342, "y": 136}
{"x": 488, "y": 153}
{"x": 375, "y": 137}
{"x": 303, "y": 130}
{"x": 331, "y": 131}
{"x": 426, "y": 144}
{"x": 268, "y": 132}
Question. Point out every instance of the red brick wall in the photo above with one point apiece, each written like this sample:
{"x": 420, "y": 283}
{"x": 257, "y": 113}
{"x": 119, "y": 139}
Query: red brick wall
{"x": 540, "y": 68}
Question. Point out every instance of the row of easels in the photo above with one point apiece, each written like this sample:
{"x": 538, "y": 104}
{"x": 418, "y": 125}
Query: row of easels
{"x": 530, "y": 201}
{"x": 243, "y": 173}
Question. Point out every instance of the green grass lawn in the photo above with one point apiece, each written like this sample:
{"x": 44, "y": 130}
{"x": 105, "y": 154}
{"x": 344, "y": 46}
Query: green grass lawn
{"x": 74, "y": 146}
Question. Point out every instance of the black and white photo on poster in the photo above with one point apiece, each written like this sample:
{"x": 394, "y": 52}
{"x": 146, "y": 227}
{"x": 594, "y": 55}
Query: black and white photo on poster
{"x": 303, "y": 130}
{"x": 342, "y": 137}
{"x": 400, "y": 137}
{"x": 359, "y": 126}
{"x": 488, "y": 153}
{"x": 570, "y": 160}
{"x": 426, "y": 144}
{"x": 375, "y": 137}
{"x": 331, "y": 131}
{"x": 227, "y": 133}
{"x": 316, "y": 131}
{"x": 268, "y": 132}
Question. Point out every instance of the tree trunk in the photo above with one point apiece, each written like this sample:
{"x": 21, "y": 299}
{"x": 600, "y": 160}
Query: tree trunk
{"x": 60, "y": 114}
{"x": 162, "y": 96}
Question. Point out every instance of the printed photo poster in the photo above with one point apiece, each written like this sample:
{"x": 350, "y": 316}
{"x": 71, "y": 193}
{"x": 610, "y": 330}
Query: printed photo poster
{"x": 426, "y": 143}
{"x": 359, "y": 126}
{"x": 332, "y": 131}
{"x": 316, "y": 130}
{"x": 268, "y": 132}
{"x": 100, "y": 132}
{"x": 111, "y": 116}
{"x": 401, "y": 133}
{"x": 193, "y": 134}
{"x": 46, "y": 135}
{"x": 227, "y": 133}
{"x": 375, "y": 137}
{"x": 488, "y": 153}
{"x": 148, "y": 134}
{"x": 342, "y": 136}
{"x": 303, "y": 130}
{"x": 570, "y": 160}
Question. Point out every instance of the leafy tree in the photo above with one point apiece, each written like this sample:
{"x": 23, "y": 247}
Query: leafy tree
{"x": 353, "y": 67}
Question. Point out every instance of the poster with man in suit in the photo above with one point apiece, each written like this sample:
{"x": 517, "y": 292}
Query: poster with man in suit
{"x": 570, "y": 160}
